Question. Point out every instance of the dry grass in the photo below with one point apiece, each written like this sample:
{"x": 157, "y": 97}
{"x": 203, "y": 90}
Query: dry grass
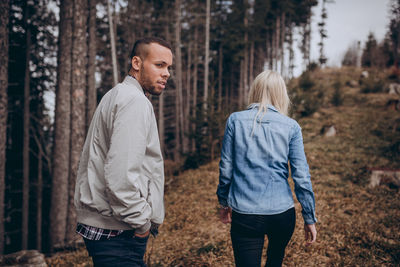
{"x": 357, "y": 226}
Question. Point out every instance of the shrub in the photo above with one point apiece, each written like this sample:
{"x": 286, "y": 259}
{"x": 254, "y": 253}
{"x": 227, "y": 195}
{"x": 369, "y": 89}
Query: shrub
{"x": 311, "y": 103}
{"x": 313, "y": 66}
{"x": 372, "y": 85}
{"x": 337, "y": 98}
{"x": 305, "y": 82}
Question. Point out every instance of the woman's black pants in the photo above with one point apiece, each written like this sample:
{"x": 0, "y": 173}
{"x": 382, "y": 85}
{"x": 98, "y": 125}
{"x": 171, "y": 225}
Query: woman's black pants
{"x": 248, "y": 231}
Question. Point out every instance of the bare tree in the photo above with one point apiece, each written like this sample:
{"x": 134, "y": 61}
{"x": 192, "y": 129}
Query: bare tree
{"x": 178, "y": 81}
{"x": 207, "y": 55}
{"x": 220, "y": 59}
{"x": 62, "y": 130}
{"x": 26, "y": 146}
{"x": 78, "y": 108}
{"x": 161, "y": 127}
{"x": 282, "y": 43}
{"x": 91, "y": 68}
{"x": 38, "y": 136}
{"x": 112, "y": 41}
{"x": 246, "y": 56}
{"x": 187, "y": 108}
{"x": 251, "y": 72}
{"x": 4, "y": 11}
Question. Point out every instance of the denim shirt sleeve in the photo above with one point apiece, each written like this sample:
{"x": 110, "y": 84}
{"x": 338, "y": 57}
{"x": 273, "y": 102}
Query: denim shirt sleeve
{"x": 301, "y": 176}
{"x": 225, "y": 165}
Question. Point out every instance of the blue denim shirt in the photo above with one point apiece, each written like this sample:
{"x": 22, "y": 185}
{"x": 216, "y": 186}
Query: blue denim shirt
{"x": 254, "y": 165}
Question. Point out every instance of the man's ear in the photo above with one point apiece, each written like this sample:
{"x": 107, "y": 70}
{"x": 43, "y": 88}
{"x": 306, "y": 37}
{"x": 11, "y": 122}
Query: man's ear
{"x": 136, "y": 63}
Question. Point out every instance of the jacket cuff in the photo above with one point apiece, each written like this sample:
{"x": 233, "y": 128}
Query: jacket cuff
{"x": 223, "y": 202}
{"x": 144, "y": 228}
{"x": 309, "y": 219}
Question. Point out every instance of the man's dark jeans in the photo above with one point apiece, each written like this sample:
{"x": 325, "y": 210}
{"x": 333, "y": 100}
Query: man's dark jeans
{"x": 248, "y": 231}
{"x": 122, "y": 250}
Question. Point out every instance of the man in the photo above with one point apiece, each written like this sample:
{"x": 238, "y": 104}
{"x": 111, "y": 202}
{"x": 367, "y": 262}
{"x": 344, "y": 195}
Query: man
{"x": 120, "y": 184}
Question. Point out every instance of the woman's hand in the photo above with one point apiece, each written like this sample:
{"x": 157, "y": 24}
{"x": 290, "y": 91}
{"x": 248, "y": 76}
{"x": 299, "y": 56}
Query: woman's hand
{"x": 225, "y": 214}
{"x": 310, "y": 233}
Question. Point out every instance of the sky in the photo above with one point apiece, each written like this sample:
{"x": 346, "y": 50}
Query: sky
{"x": 349, "y": 21}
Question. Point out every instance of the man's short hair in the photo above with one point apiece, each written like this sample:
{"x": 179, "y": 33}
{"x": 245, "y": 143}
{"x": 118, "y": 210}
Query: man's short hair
{"x": 139, "y": 46}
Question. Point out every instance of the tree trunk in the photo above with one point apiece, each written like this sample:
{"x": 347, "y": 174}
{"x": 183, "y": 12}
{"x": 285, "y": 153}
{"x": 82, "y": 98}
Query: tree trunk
{"x": 4, "y": 20}
{"x": 282, "y": 44}
{"x": 232, "y": 98}
{"x": 131, "y": 35}
{"x": 291, "y": 51}
{"x": 241, "y": 95}
{"x": 26, "y": 146}
{"x": 276, "y": 42}
{"x": 251, "y": 75}
{"x": 187, "y": 100}
{"x": 220, "y": 61}
{"x": 195, "y": 72}
{"x": 91, "y": 83}
{"x": 39, "y": 200}
{"x": 206, "y": 58}
{"x": 246, "y": 57}
{"x": 112, "y": 41}
{"x": 78, "y": 100}
{"x": 61, "y": 152}
{"x": 161, "y": 106}
{"x": 161, "y": 127}
{"x": 178, "y": 81}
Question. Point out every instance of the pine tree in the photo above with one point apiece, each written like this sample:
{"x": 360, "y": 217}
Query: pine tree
{"x": 323, "y": 35}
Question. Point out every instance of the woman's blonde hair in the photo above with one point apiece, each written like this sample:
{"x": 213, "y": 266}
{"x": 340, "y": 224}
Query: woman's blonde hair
{"x": 269, "y": 88}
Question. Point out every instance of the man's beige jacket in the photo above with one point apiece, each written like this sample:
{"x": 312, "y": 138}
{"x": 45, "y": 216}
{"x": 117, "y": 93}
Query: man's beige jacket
{"x": 120, "y": 181}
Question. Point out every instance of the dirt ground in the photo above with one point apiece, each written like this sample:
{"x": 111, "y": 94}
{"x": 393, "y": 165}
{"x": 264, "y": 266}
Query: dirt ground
{"x": 357, "y": 225}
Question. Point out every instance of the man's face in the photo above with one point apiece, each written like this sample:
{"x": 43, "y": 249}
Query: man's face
{"x": 154, "y": 73}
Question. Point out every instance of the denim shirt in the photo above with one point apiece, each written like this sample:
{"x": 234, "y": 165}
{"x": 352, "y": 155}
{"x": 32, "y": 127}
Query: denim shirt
{"x": 254, "y": 165}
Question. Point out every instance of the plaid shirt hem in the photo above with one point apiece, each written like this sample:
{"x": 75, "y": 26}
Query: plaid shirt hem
{"x": 94, "y": 233}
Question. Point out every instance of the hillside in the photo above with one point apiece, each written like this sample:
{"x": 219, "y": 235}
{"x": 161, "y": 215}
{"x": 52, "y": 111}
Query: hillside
{"x": 358, "y": 225}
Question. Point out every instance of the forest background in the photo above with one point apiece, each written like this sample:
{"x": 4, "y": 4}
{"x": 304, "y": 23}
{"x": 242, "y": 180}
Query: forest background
{"x": 219, "y": 47}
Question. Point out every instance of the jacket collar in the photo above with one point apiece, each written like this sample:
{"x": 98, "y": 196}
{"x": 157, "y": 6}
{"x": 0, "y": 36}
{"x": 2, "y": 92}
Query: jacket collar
{"x": 133, "y": 82}
{"x": 257, "y": 105}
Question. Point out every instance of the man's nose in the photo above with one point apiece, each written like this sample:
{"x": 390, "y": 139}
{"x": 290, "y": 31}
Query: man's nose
{"x": 166, "y": 74}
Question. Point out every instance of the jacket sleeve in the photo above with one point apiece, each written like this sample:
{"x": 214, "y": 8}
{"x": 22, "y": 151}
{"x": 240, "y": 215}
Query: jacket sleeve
{"x": 155, "y": 169}
{"x": 225, "y": 165}
{"x": 131, "y": 122}
{"x": 301, "y": 176}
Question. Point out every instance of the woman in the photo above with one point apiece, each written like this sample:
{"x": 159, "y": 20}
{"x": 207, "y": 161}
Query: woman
{"x": 253, "y": 189}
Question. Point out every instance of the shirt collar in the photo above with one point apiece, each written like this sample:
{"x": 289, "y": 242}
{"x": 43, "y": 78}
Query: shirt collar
{"x": 256, "y": 105}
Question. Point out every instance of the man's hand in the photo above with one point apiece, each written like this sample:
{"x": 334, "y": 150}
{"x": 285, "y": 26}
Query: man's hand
{"x": 154, "y": 229}
{"x": 145, "y": 234}
{"x": 225, "y": 215}
{"x": 310, "y": 233}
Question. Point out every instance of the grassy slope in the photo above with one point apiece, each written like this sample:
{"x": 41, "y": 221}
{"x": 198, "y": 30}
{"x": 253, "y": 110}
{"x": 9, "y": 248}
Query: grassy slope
{"x": 357, "y": 225}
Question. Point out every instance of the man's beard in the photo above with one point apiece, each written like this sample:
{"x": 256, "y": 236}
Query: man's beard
{"x": 147, "y": 84}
